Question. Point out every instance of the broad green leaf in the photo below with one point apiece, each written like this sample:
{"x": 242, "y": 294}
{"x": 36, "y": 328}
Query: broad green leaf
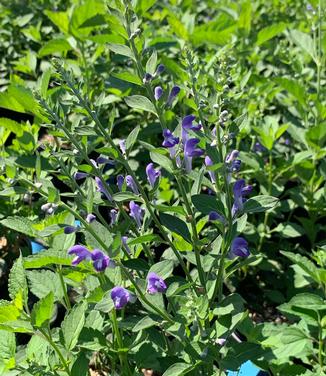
{"x": 305, "y": 42}
{"x": 81, "y": 366}
{"x": 178, "y": 369}
{"x": 8, "y": 312}
{"x": 72, "y": 325}
{"x": 270, "y": 32}
{"x": 259, "y": 204}
{"x": 304, "y": 263}
{"x": 102, "y": 232}
{"x": 151, "y": 63}
{"x": 206, "y": 203}
{"x": 175, "y": 224}
{"x": 59, "y": 19}
{"x": 19, "y": 224}
{"x": 54, "y": 46}
{"x": 294, "y": 88}
{"x": 129, "y": 77}
{"x": 163, "y": 268}
{"x": 144, "y": 239}
{"x": 12, "y": 126}
{"x": 144, "y": 323}
{"x": 161, "y": 160}
{"x": 7, "y": 346}
{"x": 42, "y": 282}
{"x": 42, "y": 310}
{"x": 140, "y": 102}
{"x": 121, "y": 49}
{"x": 289, "y": 230}
{"x": 37, "y": 350}
{"x": 17, "y": 280}
{"x": 125, "y": 196}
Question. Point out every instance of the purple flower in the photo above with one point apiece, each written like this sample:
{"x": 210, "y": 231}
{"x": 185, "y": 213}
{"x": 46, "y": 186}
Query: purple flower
{"x": 100, "y": 260}
{"x": 70, "y": 229}
{"x": 100, "y": 188}
{"x": 122, "y": 144}
{"x": 121, "y": 297}
{"x": 103, "y": 160}
{"x": 136, "y": 212}
{"x": 155, "y": 283}
{"x": 239, "y": 247}
{"x": 239, "y": 190}
{"x": 215, "y": 216}
{"x": 120, "y": 181}
{"x": 81, "y": 252}
{"x": 152, "y": 174}
{"x": 113, "y": 214}
{"x": 174, "y": 92}
{"x": 90, "y": 218}
{"x": 147, "y": 78}
{"x": 158, "y": 92}
{"x": 80, "y": 175}
{"x": 160, "y": 69}
{"x": 209, "y": 162}
{"x": 132, "y": 184}
{"x": 124, "y": 243}
{"x": 169, "y": 139}
{"x": 235, "y": 165}
{"x": 187, "y": 123}
{"x": 190, "y": 151}
{"x": 232, "y": 156}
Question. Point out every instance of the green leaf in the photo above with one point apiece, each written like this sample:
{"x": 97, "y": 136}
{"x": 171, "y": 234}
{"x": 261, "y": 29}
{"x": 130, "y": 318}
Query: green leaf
{"x": 102, "y": 232}
{"x": 304, "y": 263}
{"x": 132, "y": 138}
{"x": 8, "y": 312}
{"x": 59, "y": 19}
{"x": 121, "y": 49}
{"x": 42, "y": 310}
{"x": 305, "y": 42}
{"x": 163, "y": 268}
{"x": 259, "y": 204}
{"x": 178, "y": 369}
{"x": 54, "y": 46}
{"x": 7, "y": 346}
{"x": 151, "y": 63}
{"x": 144, "y": 323}
{"x": 17, "y": 280}
{"x": 125, "y": 196}
{"x": 269, "y": 32}
{"x": 129, "y": 77}
{"x": 144, "y": 239}
{"x": 140, "y": 102}
{"x": 176, "y": 225}
{"x": 289, "y": 230}
{"x": 42, "y": 282}
{"x": 206, "y": 203}
{"x": 37, "y": 350}
{"x": 80, "y": 366}
{"x": 161, "y": 160}
{"x": 47, "y": 257}
{"x": 19, "y": 224}
{"x": 72, "y": 325}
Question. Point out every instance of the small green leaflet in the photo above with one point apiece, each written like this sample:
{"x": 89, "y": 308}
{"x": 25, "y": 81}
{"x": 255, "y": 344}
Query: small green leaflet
{"x": 140, "y": 102}
{"x": 72, "y": 325}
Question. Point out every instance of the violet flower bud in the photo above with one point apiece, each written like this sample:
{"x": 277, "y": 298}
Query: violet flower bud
{"x": 147, "y": 78}
{"x": 122, "y": 145}
{"x": 158, "y": 92}
{"x": 174, "y": 92}
{"x": 215, "y": 216}
{"x": 152, "y": 174}
{"x": 239, "y": 247}
{"x": 114, "y": 215}
{"x": 232, "y": 156}
{"x": 160, "y": 69}
{"x": 125, "y": 245}
{"x": 136, "y": 212}
{"x": 103, "y": 160}
{"x": 100, "y": 188}
{"x": 209, "y": 162}
{"x": 120, "y": 181}
{"x": 239, "y": 190}
{"x": 70, "y": 229}
{"x": 80, "y": 175}
{"x": 132, "y": 184}
{"x": 155, "y": 284}
{"x": 121, "y": 297}
{"x": 90, "y": 218}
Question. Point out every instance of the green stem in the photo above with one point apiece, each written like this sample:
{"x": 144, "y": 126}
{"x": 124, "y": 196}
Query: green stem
{"x": 194, "y": 233}
{"x": 122, "y": 355}
{"x": 64, "y": 288}
{"x": 57, "y": 350}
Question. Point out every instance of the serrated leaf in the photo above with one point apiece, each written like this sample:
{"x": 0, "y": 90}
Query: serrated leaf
{"x": 102, "y": 232}
{"x": 176, "y": 225}
{"x": 72, "y": 325}
{"x": 47, "y": 257}
{"x": 19, "y": 224}
{"x": 144, "y": 323}
{"x": 8, "y": 312}
{"x": 17, "y": 280}
{"x": 7, "y": 345}
{"x": 42, "y": 310}
{"x": 259, "y": 204}
{"x": 140, "y": 102}
{"x": 44, "y": 281}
